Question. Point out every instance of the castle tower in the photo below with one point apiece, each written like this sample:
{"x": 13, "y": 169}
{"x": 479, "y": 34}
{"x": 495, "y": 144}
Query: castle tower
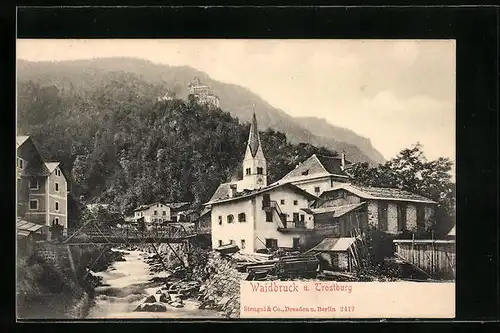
{"x": 254, "y": 163}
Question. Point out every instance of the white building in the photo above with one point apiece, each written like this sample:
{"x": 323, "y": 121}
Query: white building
{"x": 254, "y": 216}
{"x": 318, "y": 173}
{"x": 153, "y": 213}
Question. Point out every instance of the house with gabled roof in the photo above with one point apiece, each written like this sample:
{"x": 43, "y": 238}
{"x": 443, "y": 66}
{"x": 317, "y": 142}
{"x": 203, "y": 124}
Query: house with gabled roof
{"x": 42, "y": 187}
{"x": 257, "y": 216}
{"x": 318, "y": 173}
{"x": 154, "y": 213}
{"x": 350, "y": 208}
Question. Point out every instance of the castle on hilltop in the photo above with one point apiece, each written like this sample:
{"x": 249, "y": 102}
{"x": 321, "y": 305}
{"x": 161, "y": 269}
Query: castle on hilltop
{"x": 203, "y": 93}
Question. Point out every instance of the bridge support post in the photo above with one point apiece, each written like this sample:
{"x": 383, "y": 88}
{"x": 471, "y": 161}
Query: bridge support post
{"x": 160, "y": 258}
{"x": 71, "y": 262}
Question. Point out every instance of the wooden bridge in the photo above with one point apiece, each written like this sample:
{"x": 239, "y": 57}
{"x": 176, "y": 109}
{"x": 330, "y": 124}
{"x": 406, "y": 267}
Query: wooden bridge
{"x": 170, "y": 233}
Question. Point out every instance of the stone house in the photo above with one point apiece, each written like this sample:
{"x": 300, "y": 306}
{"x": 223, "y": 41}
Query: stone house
{"x": 350, "y": 208}
{"x": 42, "y": 187}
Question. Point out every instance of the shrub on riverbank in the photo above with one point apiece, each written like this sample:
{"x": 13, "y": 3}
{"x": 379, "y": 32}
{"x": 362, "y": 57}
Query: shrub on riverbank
{"x": 44, "y": 292}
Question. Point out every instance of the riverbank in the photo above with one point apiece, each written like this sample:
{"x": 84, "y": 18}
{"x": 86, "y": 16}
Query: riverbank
{"x": 129, "y": 284}
{"x": 52, "y": 286}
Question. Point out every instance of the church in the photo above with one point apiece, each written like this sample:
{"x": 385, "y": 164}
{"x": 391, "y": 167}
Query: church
{"x": 253, "y": 215}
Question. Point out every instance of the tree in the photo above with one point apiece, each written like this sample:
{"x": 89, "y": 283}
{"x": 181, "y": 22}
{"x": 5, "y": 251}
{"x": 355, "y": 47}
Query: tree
{"x": 411, "y": 171}
{"x": 122, "y": 147}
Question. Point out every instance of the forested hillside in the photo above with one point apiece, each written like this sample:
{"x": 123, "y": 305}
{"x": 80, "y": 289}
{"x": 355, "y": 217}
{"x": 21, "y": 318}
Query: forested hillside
{"x": 119, "y": 145}
{"x": 82, "y": 75}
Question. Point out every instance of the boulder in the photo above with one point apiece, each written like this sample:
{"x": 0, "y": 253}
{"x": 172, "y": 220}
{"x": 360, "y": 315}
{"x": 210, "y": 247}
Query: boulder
{"x": 165, "y": 298}
{"x": 151, "y": 307}
{"x": 177, "y": 305}
{"x": 150, "y": 299}
{"x": 175, "y": 298}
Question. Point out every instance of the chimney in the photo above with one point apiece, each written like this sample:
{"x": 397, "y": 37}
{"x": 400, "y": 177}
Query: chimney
{"x": 342, "y": 166}
{"x": 232, "y": 190}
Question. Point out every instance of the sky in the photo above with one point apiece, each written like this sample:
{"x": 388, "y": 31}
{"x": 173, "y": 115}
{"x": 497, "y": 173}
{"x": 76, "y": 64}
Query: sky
{"x": 394, "y": 92}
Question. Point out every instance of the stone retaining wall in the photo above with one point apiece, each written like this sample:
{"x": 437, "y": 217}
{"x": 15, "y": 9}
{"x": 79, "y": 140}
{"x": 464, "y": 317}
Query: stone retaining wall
{"x": 221, "y": 291}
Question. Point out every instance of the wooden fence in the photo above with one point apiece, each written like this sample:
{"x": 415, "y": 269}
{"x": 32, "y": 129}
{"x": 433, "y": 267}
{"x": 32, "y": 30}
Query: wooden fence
{"x": 436, "y": 257}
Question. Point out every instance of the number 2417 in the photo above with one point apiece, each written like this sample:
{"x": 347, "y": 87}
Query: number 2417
{"x": 347, "y": 308}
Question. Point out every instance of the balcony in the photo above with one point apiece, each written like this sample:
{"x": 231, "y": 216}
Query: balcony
{"x": 295, "y": 226}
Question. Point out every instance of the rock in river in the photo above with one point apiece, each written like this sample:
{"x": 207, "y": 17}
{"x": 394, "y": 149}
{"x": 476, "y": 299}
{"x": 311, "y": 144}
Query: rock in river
{"x": 150, "y": 299}
{"x": 151, "y": 307}
{"x": 177, "y": 305}
{"x": 165, "y": 298}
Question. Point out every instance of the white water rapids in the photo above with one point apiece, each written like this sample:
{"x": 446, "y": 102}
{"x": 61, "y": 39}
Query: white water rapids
{"x": 128, "y": 287}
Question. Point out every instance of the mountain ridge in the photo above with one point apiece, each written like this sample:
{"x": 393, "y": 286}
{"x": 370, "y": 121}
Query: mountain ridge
{"x": 237, "y": 100}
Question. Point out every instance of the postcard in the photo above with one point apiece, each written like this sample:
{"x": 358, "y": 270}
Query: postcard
{"x": 217, "y": 179}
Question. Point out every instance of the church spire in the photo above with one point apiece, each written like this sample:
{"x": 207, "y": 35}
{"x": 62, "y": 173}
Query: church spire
{"x": 253, "y": 138}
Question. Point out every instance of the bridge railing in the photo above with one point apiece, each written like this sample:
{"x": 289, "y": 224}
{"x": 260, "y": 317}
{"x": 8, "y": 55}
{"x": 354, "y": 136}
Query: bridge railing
{"x": 171, "y": 231}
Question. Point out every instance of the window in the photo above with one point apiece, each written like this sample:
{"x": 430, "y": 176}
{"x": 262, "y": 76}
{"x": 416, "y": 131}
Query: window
{"x": 316, "y": 189}
{"x": 56, "y": 220}
{"x": 220, "y": 220}
{"x": 382, "y": 216}
{"x": 20, "y": 163}
{"x": 295, "y": 202}
{"x": 271, "y": 243}
{"x": 58, "y": 172}
{"x": 420, "y": 216}
{"x": 220, "y": 243}
{"x": 248, "y": 171}
{"x": 164, "y": 213}
{"x": 295, "y": 217}
{"x": 305, "y": 173}
{"x": 242, "y": 217}
{"x": 33, "y": 184}
{"x": 266, "y": 200}
{"x": 302, "y": 217}
{"x": 57, "y": 206}
{"x": 243, "y": 245}
{"x": 282, "y": 202}
{"x": 155, "y": 212}
{"x": 283, "y": 217}
{"x": 230, "y": 218}
{"x": 33, "y": 204}
{"x": 260, "y": 170}
{"x": 57, "y": 187}
{"x": 401, "y": 217}
{"x": 296, "y": 243}
{"x": 269, "y": 216}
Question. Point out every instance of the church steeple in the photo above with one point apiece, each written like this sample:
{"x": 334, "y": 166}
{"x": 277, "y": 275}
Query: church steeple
{"x": 253, "y": 137}
{"x": 254, "y": 164}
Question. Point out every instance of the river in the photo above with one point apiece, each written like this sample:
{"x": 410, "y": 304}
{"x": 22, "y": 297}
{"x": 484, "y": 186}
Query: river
{"x": 127, "y": 285}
